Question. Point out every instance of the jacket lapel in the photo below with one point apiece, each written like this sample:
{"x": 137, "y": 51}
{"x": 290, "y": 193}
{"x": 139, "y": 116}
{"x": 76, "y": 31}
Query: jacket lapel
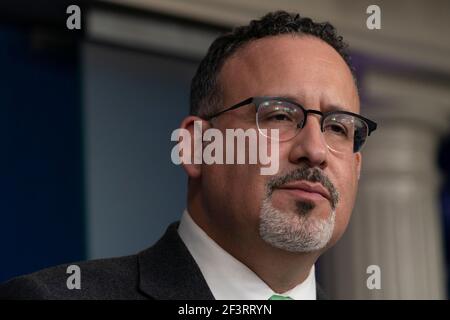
{"x": 320, "y": 293}
{"x": 169, "y": 272}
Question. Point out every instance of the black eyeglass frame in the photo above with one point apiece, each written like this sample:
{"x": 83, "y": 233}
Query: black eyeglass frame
{"x": 257, "y": 101}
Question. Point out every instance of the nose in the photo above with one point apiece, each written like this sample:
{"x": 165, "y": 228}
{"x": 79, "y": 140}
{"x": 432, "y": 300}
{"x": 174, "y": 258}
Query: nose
{"x": 309, "y": 145}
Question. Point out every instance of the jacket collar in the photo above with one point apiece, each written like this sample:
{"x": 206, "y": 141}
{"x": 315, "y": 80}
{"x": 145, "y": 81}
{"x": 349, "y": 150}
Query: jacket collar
{"x": 167, "y": 271}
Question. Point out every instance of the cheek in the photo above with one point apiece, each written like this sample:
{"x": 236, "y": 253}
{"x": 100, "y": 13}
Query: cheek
{"x": 348, "y": 184}
{"x": 234, "y": 189}
{"x": 346, "y": 178}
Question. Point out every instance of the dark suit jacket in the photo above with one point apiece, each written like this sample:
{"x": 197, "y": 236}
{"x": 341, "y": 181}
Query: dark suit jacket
{"x": 164, "y": 271}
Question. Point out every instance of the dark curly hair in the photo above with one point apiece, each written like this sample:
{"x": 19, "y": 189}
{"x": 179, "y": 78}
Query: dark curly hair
{"x": 205, "y": 92}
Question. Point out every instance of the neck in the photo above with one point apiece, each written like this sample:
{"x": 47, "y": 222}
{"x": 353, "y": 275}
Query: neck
{"x": 279, "y": 269}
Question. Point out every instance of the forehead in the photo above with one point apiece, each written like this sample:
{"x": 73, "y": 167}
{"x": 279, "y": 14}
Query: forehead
{"x": 303, "y": 67}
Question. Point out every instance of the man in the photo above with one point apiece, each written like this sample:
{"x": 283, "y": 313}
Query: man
{"x": 245, "y": 235}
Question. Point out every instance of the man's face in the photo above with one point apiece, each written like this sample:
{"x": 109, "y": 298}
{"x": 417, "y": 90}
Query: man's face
{"x": 237, "y": 198}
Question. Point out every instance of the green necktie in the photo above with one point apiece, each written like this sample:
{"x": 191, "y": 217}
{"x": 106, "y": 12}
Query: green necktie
{"x": 278, "y": 297}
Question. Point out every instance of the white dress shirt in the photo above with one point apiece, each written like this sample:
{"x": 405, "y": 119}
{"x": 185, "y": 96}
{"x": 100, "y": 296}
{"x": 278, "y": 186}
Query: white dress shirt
{"x": 228, "y": 278}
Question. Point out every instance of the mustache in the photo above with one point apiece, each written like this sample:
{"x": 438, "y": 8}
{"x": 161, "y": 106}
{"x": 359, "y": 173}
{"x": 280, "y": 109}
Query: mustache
{"x": 306, "y": 174}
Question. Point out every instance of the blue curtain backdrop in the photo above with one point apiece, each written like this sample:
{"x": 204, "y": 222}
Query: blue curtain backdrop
{"x": 41, "y": 187}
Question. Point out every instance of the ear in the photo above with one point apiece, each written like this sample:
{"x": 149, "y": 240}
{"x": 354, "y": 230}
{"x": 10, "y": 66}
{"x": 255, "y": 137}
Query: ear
{"x": 193, "y": 145}
{"x": 358, "y": 159}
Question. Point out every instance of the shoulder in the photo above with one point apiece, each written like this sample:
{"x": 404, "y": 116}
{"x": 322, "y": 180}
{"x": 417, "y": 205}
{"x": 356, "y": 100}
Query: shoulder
{"x": 115, "y": 278}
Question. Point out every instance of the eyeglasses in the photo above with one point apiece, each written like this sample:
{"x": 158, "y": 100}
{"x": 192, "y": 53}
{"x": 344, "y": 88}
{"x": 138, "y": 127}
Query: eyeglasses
{"x": 343, "y": 131}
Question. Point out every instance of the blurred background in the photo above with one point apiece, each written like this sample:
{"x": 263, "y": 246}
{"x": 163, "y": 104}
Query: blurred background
{"x": 86, "y": 117}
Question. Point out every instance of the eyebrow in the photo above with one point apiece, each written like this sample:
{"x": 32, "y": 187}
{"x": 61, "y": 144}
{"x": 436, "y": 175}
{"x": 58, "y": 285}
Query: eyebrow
{"x": 328, "y": 108}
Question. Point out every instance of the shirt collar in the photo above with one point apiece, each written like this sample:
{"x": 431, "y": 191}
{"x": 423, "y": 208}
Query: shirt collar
{"x": 227, "y": 277}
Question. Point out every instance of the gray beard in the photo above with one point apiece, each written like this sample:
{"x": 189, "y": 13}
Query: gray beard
{"x": 295, "y": 231}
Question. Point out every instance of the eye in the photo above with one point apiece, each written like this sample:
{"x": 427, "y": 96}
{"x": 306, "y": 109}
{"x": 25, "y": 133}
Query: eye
{"x": 336, "y": 128}
{"x": 280, "y": 117}
{"x": 281, "y": 114}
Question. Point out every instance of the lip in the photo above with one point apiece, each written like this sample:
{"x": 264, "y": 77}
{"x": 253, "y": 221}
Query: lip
{"x": 303, "y": 189}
